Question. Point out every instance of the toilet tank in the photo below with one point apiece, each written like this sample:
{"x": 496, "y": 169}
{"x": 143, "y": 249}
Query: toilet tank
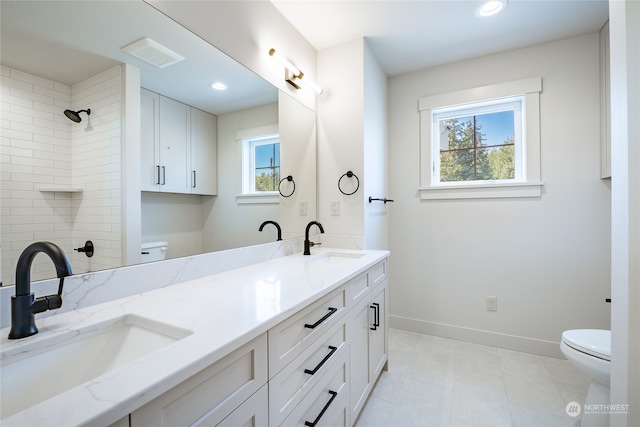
{"x": 153, "y": 251}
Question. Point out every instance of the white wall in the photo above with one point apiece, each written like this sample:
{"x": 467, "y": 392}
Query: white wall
{"x": 341, "y": 142}
{"x": 625, "y": 167}
{"x": 173, "y": 218}
{"x": 376, "y": 214}
{"x": 227, "y": 224}
{"x": 546, "y": 260}
{"x": 41, "y": 147}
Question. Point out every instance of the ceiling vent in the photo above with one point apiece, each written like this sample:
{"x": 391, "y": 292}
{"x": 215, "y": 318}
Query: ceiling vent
{"x": 153, "y": 53}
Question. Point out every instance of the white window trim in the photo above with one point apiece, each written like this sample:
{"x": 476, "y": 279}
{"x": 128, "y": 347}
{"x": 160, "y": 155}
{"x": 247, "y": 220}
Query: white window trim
{"x": 531, "y": 184}
{"x": 254, "y": 198}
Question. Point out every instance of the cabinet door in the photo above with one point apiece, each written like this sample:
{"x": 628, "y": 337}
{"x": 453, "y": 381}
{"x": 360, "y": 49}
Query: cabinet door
{"x": 211, "y": 395}
{"x": 204, "y": 163}
{"x": 174, "y": 146}
{"x": 358, "y": 337}
{"x": 378, "y": 341}
{"x": 253, "y": 412}
{"x": 149, "y": 148}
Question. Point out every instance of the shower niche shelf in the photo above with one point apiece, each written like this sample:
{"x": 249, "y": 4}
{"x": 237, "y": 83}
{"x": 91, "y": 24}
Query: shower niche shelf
{"x": 60, "y": 189}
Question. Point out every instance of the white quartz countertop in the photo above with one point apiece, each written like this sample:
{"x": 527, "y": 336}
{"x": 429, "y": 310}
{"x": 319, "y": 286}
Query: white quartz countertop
{"x": 221, "y": 312}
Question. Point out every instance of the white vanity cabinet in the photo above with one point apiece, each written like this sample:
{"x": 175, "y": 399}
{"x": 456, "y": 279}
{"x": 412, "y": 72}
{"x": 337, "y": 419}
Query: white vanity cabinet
{"x": 367, "y": 336}
{"x": 215, "y": 393}
{"x": 178, "y": 147}
{"x": 315, "y": 368}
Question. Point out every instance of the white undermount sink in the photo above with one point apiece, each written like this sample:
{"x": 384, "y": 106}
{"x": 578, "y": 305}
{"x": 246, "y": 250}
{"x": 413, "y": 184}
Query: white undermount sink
{"x": 41, "y": 369}
{"x": 336, "y": 257}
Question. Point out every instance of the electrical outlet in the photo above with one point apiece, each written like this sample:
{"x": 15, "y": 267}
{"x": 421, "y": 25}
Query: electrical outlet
{"x": 302, "y": 208}
{"x": 492, "y": 304}
{"x": 335, "y": 207}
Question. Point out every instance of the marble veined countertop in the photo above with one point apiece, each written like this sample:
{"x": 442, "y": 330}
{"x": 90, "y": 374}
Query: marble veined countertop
{"x": 218, "y": 313}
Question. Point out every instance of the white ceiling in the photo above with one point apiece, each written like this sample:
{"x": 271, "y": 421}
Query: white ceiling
{"x": 410, "y": 35}
{"x": 70, "y": 41}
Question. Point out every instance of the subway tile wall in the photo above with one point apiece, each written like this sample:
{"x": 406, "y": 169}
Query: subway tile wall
{"x": 43, "y": 150}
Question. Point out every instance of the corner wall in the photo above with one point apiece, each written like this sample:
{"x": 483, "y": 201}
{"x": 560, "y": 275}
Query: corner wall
{"x": 547, "y": 259}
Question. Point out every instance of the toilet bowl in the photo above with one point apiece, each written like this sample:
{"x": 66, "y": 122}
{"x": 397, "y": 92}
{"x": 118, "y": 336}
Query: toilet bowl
{"x": 590, "y": 351}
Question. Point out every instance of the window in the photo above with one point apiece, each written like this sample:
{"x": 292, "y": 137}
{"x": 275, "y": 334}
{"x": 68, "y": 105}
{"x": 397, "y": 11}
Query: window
{"x": 261, "y": 164}
{"x": 481, "y": 142}
{"x": 259, "y": 154}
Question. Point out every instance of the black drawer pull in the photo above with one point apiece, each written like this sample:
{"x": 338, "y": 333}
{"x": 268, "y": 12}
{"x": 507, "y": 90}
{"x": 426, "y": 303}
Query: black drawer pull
{"x": 315, "y": 422}
{"x": 322, "y": 362}
{"x": 158, "y": 175}
{"x": 376, "y": 322}
{"x": 325, "y": 317}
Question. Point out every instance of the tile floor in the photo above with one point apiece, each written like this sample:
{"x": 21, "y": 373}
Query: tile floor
{"x": 435, "y": 381}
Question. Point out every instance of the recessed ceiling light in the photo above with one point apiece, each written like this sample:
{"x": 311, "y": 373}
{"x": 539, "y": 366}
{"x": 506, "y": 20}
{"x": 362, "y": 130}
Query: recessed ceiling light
{"x": 218, "y": 86}
{"x": 491, "y": 7}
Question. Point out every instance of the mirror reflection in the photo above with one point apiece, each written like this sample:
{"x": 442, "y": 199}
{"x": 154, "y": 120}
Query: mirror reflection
{"x": 66, "y": 181}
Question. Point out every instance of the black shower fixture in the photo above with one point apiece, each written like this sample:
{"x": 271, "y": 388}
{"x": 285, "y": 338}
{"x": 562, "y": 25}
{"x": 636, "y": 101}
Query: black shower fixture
{"x": 75, "y": 115}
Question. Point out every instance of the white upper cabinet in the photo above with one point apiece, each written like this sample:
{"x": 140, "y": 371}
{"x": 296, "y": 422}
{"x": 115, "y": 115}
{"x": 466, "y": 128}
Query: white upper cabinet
{"x": 178, "y": 147}
{"x": 204, "y": 153}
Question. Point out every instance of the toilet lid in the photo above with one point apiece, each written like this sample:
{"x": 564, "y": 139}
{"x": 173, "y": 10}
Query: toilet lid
{"x": 596, "y": 342}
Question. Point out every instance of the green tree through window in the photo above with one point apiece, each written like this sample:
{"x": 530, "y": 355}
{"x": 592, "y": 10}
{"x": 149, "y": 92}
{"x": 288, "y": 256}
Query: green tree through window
{"x": 267, "y": 172}
{"x": 467, "y": 154}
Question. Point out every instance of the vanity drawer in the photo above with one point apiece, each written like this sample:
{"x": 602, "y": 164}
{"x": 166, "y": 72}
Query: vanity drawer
{"x": 323, "y": 403}
{"x": 294, "y": 335}
{"x": 291, "y": 384}
{"x": 213, "y": 393}
{"x": 378, "y": 273}
{"x": 357, "y": 288}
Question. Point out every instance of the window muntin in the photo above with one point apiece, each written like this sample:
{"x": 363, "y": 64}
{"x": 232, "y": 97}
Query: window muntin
{"x": 261, "y": 164}
{"x": 478, "y": 143}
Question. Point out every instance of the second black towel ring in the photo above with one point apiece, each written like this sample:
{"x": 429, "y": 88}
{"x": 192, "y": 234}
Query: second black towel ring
{"x": 290, "y": 179}
{"x": 349, "y": 174}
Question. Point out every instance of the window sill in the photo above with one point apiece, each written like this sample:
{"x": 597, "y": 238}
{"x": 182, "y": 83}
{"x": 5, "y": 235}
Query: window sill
{"x": 484, "y": 191}
{"x": 255, "y": 199}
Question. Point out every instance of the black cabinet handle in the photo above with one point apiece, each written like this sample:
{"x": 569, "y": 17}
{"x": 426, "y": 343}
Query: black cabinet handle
{"x": 158, "y": 175}
{"x": 315, "y": 422}
{"x": 376, "y": 322}
{"x": 164, "y": 175}
{"x": 322, "y": 362}
{"x": 325, "y": 317}
{"x": 194, "y": 179}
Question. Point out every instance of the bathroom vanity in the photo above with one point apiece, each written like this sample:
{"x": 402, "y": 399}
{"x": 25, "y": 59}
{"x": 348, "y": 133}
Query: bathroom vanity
{"x": 297, "y": 340}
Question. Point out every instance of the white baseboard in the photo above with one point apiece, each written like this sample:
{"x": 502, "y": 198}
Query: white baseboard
{"x": 495, "y": 339}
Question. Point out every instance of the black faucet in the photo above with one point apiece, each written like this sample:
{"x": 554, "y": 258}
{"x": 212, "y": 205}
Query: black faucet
{"x": 274, "y": 223}
{"x": 23, "y": 304}
{"x": 307, "y": 243}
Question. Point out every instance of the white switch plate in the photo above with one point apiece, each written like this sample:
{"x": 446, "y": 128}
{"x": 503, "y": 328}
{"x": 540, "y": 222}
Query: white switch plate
{"x": 335, "y": 207}
{"x": 302, "y": 208}
{"x": 492, "y": 304}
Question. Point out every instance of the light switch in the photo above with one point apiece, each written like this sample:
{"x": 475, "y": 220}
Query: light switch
{"x": 335, "y": 207}
{"x": 302, "y": 208}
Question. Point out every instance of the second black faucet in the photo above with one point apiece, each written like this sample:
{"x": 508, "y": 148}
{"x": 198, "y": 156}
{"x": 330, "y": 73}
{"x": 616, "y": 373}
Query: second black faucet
{"x": 307, "y": 242}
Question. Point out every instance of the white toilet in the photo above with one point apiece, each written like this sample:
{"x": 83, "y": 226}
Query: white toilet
{"x": 590, "y": 351}
{"x": 153, "y": 251}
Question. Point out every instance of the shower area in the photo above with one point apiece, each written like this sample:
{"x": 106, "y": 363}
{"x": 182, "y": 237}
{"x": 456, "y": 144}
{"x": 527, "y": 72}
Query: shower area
{"x": 69, "y": 190}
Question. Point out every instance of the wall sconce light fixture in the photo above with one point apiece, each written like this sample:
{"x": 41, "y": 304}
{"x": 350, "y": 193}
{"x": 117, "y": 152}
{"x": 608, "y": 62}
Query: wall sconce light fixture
{"x": 293, "y": 75}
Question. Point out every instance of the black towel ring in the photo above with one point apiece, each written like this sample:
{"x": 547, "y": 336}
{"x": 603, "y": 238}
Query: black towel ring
{"x": 290, "y": 179}
{"x": 349, "y": 174}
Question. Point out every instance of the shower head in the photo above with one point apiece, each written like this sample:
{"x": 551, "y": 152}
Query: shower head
{"x": 75, "y": 115}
